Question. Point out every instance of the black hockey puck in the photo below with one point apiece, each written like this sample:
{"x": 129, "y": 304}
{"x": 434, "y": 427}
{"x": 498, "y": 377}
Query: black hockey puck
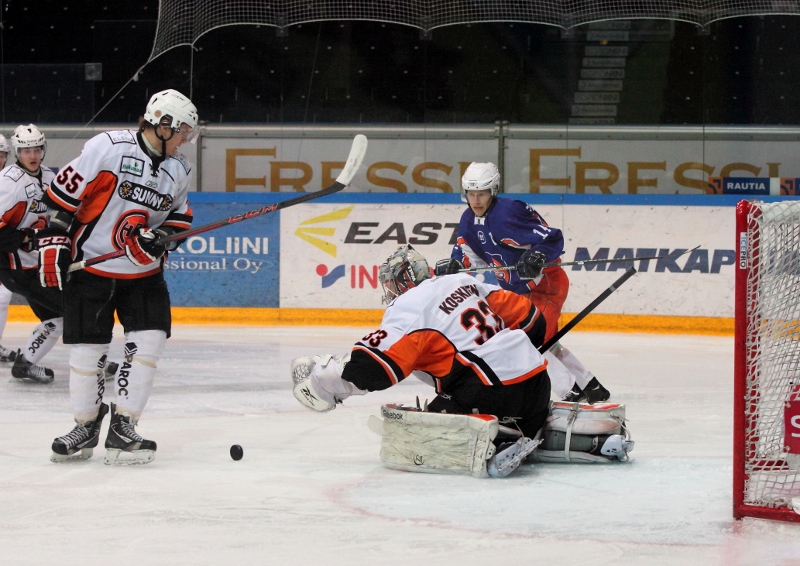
{"x": 236, "y": 452}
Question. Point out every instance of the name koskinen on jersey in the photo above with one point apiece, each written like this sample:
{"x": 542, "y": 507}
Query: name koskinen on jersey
{"x": 457, "y": 297}
{"x": 144, "y": 196}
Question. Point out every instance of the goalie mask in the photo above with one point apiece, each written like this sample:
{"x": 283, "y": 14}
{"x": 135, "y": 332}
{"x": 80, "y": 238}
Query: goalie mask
{"x": 480, "y": 177}
{"x": 406, "y": 268}
{"x": 172, "y": 109}
{"x": 28, "y": 136}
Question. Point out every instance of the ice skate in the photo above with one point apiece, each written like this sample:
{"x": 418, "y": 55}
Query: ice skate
{"x": 7, "y": 355}
{"x": 23, "y": 369}
{"x": 124, "y": 446}
{"x": 595, "y": 393}
{"x": 575, "y": 395}
{"x": 79, "y": 444}
{"x": 509, "y": 456}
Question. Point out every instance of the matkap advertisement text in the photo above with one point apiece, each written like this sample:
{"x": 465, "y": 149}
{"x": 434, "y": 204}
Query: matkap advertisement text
{"x": 331, "y": 253}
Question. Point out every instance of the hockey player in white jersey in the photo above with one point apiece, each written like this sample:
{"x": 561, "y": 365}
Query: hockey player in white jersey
{"x": 7, "y": 355}
{"x": 127, "y": 189}
{"x": 475, "y": 341}
{"x": 22, "y": 187}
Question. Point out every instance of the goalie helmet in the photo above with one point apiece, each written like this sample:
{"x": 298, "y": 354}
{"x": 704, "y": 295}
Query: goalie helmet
{"x": 406, "y": 268}
{"x": 28, "y": 136}
{"x": 480, "y": 177}
{"x": 171, "y": 108}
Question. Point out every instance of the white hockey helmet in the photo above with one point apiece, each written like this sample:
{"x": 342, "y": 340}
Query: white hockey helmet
{"x": 171, "y": 108}
{"x": 28, "y": 136}
{"x": 4, "y": 144}
{"x": 406, "y": 268}
{"x": 480, "y": 177}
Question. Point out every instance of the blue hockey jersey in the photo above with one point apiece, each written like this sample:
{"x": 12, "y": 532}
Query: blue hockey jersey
{"x": 501, "y": 236}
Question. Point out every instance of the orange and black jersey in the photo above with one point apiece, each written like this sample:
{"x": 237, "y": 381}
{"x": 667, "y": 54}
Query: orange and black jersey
{"x": 446, "y": 322}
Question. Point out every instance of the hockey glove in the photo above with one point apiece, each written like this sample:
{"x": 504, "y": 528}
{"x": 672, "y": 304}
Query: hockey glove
{"x": 530, "y": 264}
{"x": 141, "y": 247}
{"x": 55, "y": 256}
{"x": 447, "y": 266}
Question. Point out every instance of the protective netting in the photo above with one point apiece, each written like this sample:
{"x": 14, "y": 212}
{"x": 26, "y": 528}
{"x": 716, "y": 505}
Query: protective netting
{"x": 182, "y": 22}
{"x": 772, "y": 353}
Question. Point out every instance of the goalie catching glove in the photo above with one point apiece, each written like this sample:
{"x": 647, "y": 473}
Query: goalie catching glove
{"x": 319, "y": 384}
{"x": 55, "y": 255}
{"x": 142, "y": 246}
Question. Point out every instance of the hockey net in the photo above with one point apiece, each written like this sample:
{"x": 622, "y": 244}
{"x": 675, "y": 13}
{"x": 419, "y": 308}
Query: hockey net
{"x": 182, "y": 22}
{"x": 766, "y": 471}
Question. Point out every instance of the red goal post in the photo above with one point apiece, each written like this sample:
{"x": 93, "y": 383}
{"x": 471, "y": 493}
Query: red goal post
{"x": 766, "y": 438}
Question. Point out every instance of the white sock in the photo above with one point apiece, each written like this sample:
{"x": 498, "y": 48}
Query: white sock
{"x": 86, "y": 388}
{"x": 582, "y": 375}
{"x": 43, "y": 338}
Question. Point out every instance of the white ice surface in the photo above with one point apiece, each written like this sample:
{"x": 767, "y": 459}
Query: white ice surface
{"x": 311, "y": 490}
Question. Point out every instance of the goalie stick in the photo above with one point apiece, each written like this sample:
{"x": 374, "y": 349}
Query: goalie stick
{"x": 494, "y": 268}
{"x": 354, "y": 159}
{"x": 589, "y": 308}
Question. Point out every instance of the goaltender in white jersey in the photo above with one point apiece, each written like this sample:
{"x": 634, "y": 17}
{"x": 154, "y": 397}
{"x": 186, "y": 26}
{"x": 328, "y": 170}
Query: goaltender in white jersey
{"x": 112, "y": 191}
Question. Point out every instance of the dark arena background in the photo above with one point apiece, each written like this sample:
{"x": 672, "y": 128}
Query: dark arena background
{"x": 71, "y": 62}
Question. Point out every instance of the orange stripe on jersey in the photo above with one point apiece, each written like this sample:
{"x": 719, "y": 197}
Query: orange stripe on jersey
{"x": 95, "y": 197}
{"x": 475, "y": 368}
{"x": 111, "y": 275}
{"x": 14, "y": 216}
{"x": 512, "y": 308}
{"x": 426, "y": 350}
{"x": 514, "y": 243}
{"x": 530, "y": 374}
{"x": 387, "y": 368}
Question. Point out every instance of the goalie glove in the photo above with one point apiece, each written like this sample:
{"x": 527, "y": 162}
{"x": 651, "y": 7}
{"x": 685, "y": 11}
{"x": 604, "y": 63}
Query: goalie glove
{"x": 319, "y": 384}
{"x": 141, "y": 247}
{"x": 530, "y": 264}
{"x": 55, "y": 256}
{"x": 447, "y": 266}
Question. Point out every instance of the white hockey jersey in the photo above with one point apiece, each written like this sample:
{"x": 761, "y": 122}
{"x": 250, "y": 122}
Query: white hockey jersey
{"x": 111, "y": 189}
{"x": 21, "y": 204}
{"x": 456, "y": 318}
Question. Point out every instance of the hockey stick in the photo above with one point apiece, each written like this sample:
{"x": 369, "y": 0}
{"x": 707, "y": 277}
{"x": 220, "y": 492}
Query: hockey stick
{"x": 589, "y": 308}
{"x": 357, "y": 152}
{"x": 494, "y": 268}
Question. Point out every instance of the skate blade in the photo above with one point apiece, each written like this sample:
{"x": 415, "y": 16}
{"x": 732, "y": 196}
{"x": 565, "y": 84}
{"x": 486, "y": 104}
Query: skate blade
{"x": 117, "y": 457}
{"x": 84, "y": 454}
{"x": 30, "y": 379}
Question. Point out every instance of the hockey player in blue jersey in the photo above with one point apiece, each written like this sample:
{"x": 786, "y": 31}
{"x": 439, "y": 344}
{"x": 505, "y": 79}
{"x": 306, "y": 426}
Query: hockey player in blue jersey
{"x": 500, "y": 232}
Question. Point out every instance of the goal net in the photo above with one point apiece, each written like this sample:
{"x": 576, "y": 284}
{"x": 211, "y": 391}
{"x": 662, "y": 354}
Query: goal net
{"x": 182, "y": 22}
{"x": 766, "y": 470}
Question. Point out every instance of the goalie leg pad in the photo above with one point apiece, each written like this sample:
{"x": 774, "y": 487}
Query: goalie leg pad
{"x": 585, "y": 433}
{"x": 438, "y": 443}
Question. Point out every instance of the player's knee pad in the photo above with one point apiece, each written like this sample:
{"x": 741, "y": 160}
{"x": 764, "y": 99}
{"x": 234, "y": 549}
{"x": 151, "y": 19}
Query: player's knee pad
{"x": 438, "y": 443}
{"x": 585, "y": 433}
{"x": 145, "y": 346}
{"x": 84, "y": 358}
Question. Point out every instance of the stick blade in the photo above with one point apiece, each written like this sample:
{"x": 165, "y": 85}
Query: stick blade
{"x": 353, "y": 163}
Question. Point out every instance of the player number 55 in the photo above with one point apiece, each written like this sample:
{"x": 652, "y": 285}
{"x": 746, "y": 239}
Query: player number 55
{"x": 69, "y": 179}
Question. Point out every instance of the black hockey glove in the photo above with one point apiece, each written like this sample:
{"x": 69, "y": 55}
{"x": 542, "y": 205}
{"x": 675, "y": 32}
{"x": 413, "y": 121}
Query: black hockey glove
{"x": 141, "y": 247}
{"x": 447, "y": 266}
{"x": 530, "y": 264}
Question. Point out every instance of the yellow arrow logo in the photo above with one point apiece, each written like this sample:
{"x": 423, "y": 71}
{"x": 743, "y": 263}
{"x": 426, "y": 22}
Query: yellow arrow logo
{"x": 310, "y": 233}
